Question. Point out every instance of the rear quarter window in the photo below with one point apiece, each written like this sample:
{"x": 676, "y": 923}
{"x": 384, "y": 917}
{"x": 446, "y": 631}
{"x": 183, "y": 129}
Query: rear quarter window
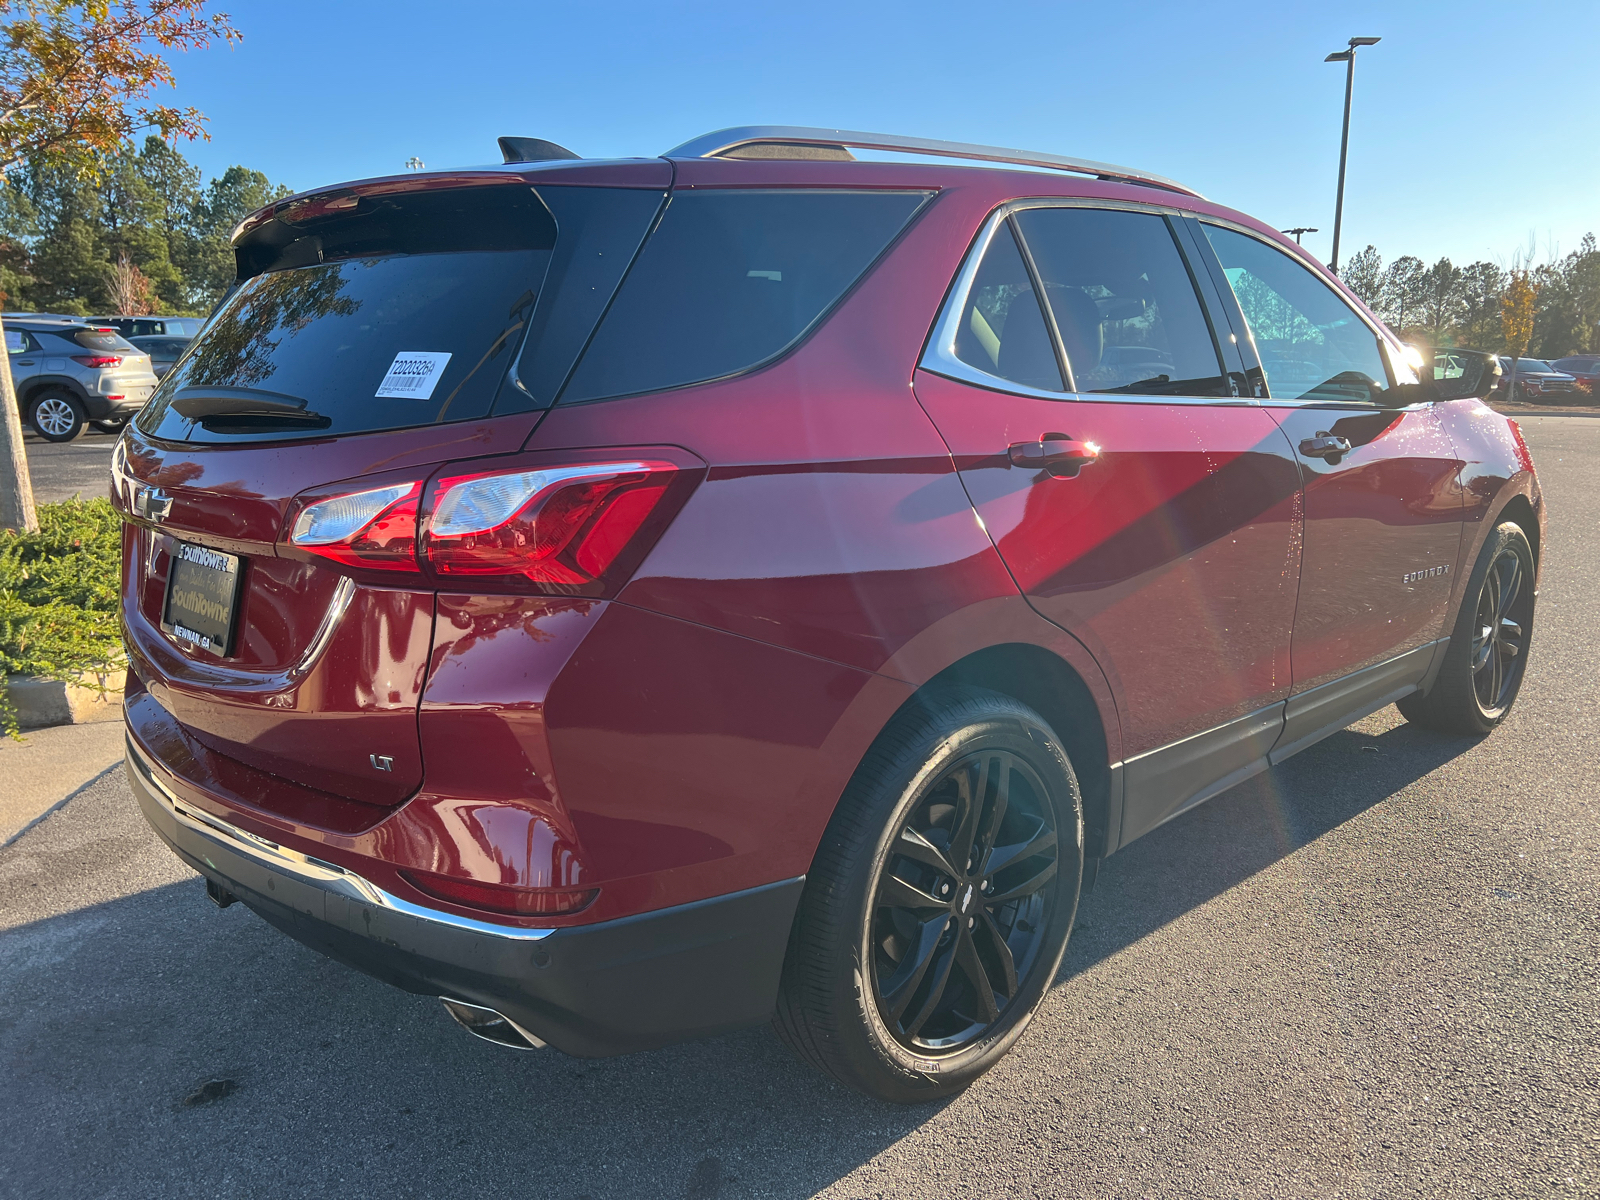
{"x": 731, "y": 279}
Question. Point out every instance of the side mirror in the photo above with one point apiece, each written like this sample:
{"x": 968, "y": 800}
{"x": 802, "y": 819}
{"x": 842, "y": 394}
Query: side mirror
{"x": 1465, "y": 374}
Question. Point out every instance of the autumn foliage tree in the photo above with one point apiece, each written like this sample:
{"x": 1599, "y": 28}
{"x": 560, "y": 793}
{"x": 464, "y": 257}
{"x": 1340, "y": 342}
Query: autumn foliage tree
{"x": 76, "y": 81}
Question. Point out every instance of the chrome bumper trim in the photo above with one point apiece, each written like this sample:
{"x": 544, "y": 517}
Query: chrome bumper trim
{"x": 314, "y": 872}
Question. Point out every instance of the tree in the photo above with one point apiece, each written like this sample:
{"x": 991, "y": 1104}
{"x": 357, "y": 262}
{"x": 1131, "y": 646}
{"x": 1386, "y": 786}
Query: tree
{"x": 1441, "y": 300}
{"x": 225, "y": 202}
{"x": 1404, "y": 292}
{"x": 1482, "y": 284}
{"x": 74, "y": 78}
{"x": 1363, "y": 275}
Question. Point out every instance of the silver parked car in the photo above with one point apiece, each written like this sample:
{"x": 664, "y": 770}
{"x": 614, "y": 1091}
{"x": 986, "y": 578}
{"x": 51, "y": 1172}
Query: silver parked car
{"x": 163, "y": 351}
{"x": 69, "y": 374}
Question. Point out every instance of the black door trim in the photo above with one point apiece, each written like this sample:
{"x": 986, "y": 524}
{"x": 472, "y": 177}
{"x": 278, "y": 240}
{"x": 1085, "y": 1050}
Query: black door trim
{"x": 1313, "y": 715}
{"x": 1161, "y": 783}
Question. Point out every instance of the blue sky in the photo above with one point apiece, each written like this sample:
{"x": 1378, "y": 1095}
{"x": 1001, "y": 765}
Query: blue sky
{"x": 1232, "y": 99}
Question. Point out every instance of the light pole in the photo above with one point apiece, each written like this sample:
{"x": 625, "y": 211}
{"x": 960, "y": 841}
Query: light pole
{"x": 1298, "y": 230}
{"x": 1348, "y": 57}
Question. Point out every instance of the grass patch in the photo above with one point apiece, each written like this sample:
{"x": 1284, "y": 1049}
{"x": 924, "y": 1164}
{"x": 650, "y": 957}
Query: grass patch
{"x": 59, "y": 596}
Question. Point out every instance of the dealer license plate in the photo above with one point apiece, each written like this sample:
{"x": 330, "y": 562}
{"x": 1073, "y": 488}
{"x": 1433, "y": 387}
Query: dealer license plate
{"x": 202, "y": 597}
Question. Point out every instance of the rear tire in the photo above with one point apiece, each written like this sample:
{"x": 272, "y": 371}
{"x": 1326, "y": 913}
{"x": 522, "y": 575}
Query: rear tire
{"x": 56, "y": 416}
{"x": 940, "y": 901}
{"x": 1487, "y": 657}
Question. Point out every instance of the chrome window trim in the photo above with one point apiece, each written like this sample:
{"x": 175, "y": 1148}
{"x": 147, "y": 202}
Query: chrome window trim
{"x": 314, "y": 872}
{"x": 718, "y": 142}
{"x": 940, "y": 357}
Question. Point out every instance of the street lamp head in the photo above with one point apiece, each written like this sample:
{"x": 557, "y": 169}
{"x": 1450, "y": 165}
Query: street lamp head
{"x": 1340, "y": 56}
{"x": 1368, "y": 41}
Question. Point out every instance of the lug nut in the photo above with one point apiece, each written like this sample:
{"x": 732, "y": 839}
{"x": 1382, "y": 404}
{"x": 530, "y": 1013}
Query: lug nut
{"x": 944, "y": 889}
{"x": 971, "y": 921}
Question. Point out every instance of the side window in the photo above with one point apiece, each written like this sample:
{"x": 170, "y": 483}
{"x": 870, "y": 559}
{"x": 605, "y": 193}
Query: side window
{"x": 1313, "y": 345}
{"x": 1123, "y": 300}
{"x": 1002, "y": 331}
{"x": 16, "y": 341}
{"x": 729, "y": 279}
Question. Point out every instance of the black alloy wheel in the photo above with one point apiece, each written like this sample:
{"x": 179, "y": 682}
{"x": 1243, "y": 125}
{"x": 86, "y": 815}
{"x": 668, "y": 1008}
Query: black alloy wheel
{"x": 1500, "y": 632}
{"x": 960, "y": 913}
{"x": 939, "y": 903}
{"x": 1487, "y": 658}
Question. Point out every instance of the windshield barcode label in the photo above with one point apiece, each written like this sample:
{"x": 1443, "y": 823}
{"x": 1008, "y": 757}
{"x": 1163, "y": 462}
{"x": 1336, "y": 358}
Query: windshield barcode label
{"x": 413, "y": 374}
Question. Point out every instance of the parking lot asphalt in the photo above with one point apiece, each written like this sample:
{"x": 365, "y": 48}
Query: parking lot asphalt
{"x": 1370, "y": 973}
{"x": 62, "y": 470}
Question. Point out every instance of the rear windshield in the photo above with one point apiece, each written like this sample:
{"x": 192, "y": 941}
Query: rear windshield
{"x": 100, "y": 339}
{"x": 359, "y": 314}
{"x": 731, "y": 278}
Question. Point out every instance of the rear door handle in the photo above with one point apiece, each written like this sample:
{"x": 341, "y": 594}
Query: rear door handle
{"x": 1061, "y": 456}
{"x": 1325, "y": 446}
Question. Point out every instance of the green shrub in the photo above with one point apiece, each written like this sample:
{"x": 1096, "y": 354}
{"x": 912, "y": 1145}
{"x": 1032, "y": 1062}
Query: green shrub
{"x": 58, "y": 596}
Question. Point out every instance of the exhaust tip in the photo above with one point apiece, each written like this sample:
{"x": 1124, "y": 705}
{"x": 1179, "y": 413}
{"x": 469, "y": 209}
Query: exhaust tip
{"x": 489, "y": 1025}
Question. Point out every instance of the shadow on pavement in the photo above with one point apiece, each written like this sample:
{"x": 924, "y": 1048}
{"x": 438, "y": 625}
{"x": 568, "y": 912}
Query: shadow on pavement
{"x": 307, "y": 1078}
{"x": 1223, "y": 842}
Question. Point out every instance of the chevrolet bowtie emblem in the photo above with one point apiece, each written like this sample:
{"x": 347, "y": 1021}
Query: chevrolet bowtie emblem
{"x": 151, "y": 503}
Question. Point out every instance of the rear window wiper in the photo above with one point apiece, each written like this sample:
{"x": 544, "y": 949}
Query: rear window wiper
{"x": 245, "y": 410}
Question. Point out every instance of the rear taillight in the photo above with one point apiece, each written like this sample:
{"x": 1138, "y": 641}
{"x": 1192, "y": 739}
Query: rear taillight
{"x": 497, "y": 898}
{"x": 376, "y": 528}
{"x": 97, "y": 360}
{"x": 556, "y": 525}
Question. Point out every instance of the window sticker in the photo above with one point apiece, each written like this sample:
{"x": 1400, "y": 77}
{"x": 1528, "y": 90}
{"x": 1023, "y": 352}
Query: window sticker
{"x": 413, "y": 374}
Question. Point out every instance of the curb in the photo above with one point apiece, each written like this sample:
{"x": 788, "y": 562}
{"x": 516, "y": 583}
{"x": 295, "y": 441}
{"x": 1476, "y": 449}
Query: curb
{"x": 41, "y": 703}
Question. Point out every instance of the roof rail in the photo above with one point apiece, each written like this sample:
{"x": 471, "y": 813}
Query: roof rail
{"x": 720, "y": 143}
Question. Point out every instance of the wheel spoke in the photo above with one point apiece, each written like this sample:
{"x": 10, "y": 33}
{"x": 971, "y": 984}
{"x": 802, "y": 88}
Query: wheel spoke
{"x": 902, "y": 985}
{"x": 1026, "y": 888}
{"x": 1001, "y": 952}
{"x": 914, "y": 846}
{"x": 940, "y": 977}
{"x": 1510, "y": 583}
{"x": 972, "y": 798}
{"x": 1041, "y": 839}
{"x": 895, "y": 892}
{"x": 989, "y": 827}
{"x": 972, "y": 967}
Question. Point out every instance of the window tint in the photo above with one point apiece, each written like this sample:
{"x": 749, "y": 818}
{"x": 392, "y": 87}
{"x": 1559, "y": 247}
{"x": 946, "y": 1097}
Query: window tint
{"x": 1312, "y": 344}
{"x": 1002, "y": 330}
{"x": 405, "y": 315}
{"x": 1123, "y": 300}
{"x": 731, "y": 278}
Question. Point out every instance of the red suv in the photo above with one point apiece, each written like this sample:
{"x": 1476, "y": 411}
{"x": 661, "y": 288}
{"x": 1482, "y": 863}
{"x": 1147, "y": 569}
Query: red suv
{"x": 635, "y": 599}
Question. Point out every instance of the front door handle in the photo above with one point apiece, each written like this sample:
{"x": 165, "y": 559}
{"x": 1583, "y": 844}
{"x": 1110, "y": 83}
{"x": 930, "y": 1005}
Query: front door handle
{"x": 1061, "y": 456}
{"x": 1326, "y": 446}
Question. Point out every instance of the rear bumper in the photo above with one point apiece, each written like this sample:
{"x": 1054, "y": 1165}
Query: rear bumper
{"x": 594, "y": 990}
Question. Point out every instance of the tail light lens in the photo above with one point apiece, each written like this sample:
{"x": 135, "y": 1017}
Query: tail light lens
{"x": 497, "y": 898}
{"x": 558, "y": 525}
{"x": 97, "y": 360}
{"x": 376, "y": 528}
{"x": 541, "y": 522}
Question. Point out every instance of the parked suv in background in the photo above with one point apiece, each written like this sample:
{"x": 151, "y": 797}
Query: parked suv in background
{"x": 1584, "y": 369}
{"x": 1535, "y": 381}
{"x": 68, "y": 375}
{"x": 131, "y": 327}
{"x": 163, "y": 350}
{"x": 634, "y": 599}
